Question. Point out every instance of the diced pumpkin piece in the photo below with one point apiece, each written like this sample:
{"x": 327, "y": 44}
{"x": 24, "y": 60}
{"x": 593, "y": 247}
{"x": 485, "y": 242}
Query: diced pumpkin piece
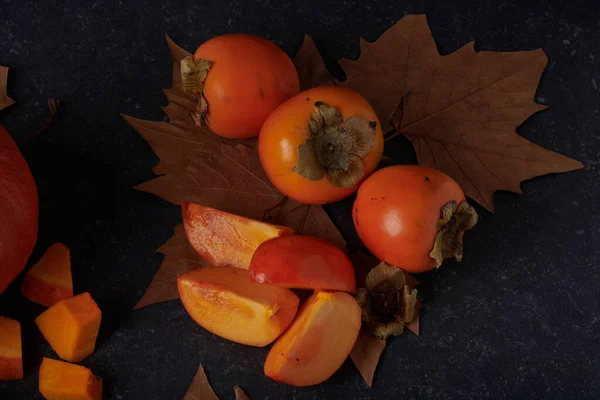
{"x": 224, "y": 239}
{"x": 60, "y": 380}
{"x": 11, "y": 359}
{"x": 225, "y": 302}
{"x": 50, "y": 279}
{"x": 71, "y": 327}
{"x": 317, "y": 342}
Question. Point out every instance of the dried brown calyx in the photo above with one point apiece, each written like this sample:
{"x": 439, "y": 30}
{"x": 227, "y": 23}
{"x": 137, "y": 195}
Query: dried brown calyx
{"x": 455, "y": 219}
{"x": 193, "y": 75}
{"x": 336, "y": 148}
{"x": 387, "y": 303}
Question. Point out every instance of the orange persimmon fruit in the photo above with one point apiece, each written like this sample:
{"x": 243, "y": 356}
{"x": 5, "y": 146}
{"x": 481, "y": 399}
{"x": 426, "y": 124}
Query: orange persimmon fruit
{"x": 225, "y": 302}
{"x": 18, "y": 210}
{"x": 412, "y": 217}
{"x": 50, "y": 279}
{"x": 11, "y": 358}
{"x": 303, "y": 262}
{"x": 224, "y": 239}
{"x": 319, "y": 145}
{"x": 71, "y": 327}
{"x": 239, "y": 79}
{"x": 317, "y": 342}
{"x": 60, "y": 380}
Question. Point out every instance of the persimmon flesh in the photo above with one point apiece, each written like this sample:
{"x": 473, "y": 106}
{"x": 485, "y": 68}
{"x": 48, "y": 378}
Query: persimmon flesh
{"x": 224, "y": 239}
{"x": 317, "y": 342}
{"x": 225, "y": 302}
{"x": 398, "y": 214}
{"x": 319, "y": 145}
{"x": 248, "y": 78}
{"x": 302, "y": 262}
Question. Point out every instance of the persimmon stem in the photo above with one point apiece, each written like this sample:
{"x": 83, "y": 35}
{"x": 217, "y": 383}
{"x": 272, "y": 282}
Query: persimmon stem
{"x": 53, "y": 105}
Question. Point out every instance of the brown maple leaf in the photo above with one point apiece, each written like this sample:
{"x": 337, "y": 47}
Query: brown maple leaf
{"x": 200, "y": 389}
{"x": 5, "y": 101}
{"x": 365, "y": 354}
{"x": 200, "y": 167}
{"x": 460, "y": 111}
{"x": 180, "y": 258}
{"x": 368, "y": 348}
{"x": 310, "y": 66}
{"x": 240, "y": 394}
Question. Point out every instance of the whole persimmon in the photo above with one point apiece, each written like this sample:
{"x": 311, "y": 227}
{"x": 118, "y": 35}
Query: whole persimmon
{"x": 412, "y": 217}
{"x": 319, "y": 145}
{"x": 238, "y": 79}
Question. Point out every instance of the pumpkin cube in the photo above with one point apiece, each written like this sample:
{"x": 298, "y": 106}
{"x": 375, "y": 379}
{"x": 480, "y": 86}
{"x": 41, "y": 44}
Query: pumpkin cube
{"x": 71, "y": 327}
{"x": 11, "y": 361}
{"x": 50, "y": 281}
{"x": 60, "y": 380}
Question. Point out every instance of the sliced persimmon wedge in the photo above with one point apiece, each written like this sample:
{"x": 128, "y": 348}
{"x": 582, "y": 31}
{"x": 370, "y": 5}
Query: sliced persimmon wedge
{"x": 225, "y": 302}
{"x": 317, "y": 342}
{"x": 224, "y": 239}
{"x": 303, "y": 262}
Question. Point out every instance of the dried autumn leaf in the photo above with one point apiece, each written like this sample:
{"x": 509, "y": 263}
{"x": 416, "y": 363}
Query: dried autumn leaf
{"x": 414, "y": 325}
{"x": 310, "y": 66}
{"x": 240, "y": 394}
{"x": 368, "y": 348}
{"x": 200, "y": 389}
{"x": 180, "y": 258}
{"x": 200, "y": 167}
{"x": 5, "y": 101}
{"x": 460, "y": 111}
{"x": 366, "y": 353}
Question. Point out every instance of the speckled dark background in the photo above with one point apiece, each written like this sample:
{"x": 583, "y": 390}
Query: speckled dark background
{"x": 518, "y": 318}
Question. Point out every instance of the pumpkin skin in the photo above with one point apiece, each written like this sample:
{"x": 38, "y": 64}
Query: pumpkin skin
{"x": 19, "y": 210}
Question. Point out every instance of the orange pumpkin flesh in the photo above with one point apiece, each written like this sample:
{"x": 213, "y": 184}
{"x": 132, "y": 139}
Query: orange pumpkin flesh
{"x": 60, "y": 380}
{"x": 71, "y": 327}
{"x": 11, "y": 358}
{"x": 49, "y": 280}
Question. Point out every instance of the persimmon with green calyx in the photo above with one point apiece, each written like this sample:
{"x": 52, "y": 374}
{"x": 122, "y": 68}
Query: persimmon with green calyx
{"x": 239, "y": 80}
{"x": 302, "y": 262}
{"x": 318, "y": 341}
{"x": 319, "y": 145}
{"x": 412, "y": 217}
{"x": 227, "y": 303}
{"x": 18, "y": 211}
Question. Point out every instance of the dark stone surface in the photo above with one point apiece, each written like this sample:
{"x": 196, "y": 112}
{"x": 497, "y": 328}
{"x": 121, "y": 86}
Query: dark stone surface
{"x": 518, "y": 318}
